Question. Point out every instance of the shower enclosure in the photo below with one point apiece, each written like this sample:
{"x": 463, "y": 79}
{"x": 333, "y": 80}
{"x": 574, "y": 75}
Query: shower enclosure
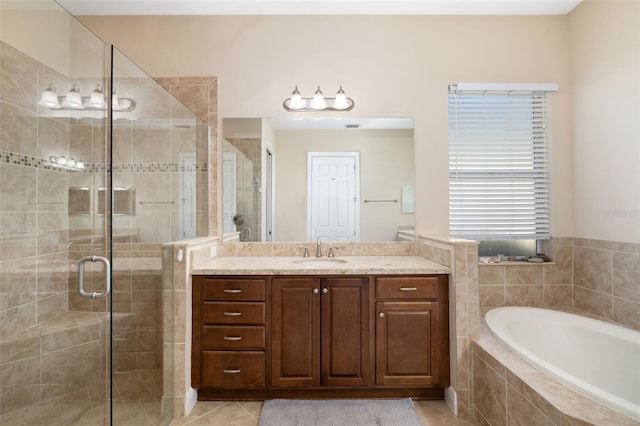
{"x": 98, "y": 173}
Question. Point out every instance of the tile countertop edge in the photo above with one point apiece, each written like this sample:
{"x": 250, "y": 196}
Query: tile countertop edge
{"x": 345, "y": 265}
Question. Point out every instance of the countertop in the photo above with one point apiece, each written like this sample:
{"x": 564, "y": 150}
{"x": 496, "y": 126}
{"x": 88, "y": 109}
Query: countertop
{"x": 341, "y": 265}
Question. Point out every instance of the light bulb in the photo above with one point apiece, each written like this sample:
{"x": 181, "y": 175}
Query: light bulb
{"x": 296, "y": 102}
{"x": 49, "y": 98}
{"x": 97, "y": 99}
{"x": 341, "y": 100}
{"x": 318, "y": 102}
{"x": 73, "y": 99}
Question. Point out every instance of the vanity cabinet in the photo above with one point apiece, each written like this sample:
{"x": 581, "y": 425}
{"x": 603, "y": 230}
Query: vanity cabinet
{"x": 319, "y": 331}
{"x": 229, "y": 332}
{"x": 412, "y": 336}
{"x": 330, "y": 336}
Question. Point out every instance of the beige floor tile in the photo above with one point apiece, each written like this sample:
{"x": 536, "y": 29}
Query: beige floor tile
{"x": 436, "y": 413}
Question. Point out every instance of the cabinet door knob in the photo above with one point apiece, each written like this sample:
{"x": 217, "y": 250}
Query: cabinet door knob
{"x": 231, "y": 371}
{"x": 233, "y": 314}
{"x": 315, "y": 291}
{"x": 325, "y": 290}
{"x": 408, "y": 289}
{"x": 232, "y": 291}
{"x": 381, "y": 314}
{"x": 232, "y": 338}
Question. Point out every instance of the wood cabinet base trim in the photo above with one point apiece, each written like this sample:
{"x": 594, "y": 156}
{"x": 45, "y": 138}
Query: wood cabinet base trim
{"x": 435, "y": 393}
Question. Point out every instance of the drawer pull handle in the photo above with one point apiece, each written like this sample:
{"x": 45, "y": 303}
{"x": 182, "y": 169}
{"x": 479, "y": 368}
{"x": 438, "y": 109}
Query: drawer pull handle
{"x": 233, "y": 314}
{"x": 408, "y": 289}
{"x": 233, "y": 338}
{"x": 232, "y": 291}
{"x": 231, "y": 370}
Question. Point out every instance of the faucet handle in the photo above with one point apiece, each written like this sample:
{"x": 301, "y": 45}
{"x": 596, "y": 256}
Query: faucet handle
{"x": 306, "y": 251}
{"x": 331, "y": 253}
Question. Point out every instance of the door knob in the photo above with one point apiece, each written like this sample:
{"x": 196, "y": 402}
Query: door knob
{"x": 381, "y": 314}
{"x": 325, "y": 290}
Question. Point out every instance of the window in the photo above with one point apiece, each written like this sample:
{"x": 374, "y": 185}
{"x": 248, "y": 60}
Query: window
{"x": 498, "y": 164}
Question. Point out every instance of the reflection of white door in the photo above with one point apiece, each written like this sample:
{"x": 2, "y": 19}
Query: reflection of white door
{"x": 333, "y": 186}
{"x": 228, "y": 191}
{"x": 187, "y": 184}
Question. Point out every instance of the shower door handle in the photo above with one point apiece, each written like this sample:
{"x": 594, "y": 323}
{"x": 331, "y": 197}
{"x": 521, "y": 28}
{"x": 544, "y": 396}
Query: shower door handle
{"x": 107, "y": 271}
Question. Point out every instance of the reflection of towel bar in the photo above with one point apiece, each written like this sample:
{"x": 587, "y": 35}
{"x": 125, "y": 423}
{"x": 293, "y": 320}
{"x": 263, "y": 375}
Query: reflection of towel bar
{"x": 46, "y": 202}
{"x": 380, "y": 201}
{"x": 155, "y": 202}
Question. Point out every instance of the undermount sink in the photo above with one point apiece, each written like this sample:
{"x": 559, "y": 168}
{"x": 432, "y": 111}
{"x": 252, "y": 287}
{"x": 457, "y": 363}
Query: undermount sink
{"x": 321, "y": 259}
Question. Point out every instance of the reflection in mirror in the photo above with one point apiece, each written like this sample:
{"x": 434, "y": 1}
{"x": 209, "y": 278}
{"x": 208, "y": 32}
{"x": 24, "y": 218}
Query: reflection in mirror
{"x": 242, "y": 196}
{"x": 380, "y": 210}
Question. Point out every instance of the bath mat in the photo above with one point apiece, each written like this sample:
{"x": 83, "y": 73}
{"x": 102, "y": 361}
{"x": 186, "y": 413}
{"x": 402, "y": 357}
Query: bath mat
{"x": 339, "y": 412}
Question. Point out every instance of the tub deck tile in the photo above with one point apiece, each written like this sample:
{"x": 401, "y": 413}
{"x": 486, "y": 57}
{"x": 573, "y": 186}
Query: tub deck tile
{"x": 575, "y": 408}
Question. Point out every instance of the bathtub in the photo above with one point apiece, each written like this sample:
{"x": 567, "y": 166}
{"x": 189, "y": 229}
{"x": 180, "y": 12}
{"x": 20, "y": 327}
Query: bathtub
{"x": 596, "y": 358}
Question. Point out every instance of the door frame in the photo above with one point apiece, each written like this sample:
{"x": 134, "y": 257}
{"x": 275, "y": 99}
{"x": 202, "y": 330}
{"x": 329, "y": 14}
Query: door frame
{"x": 356, "y": 202}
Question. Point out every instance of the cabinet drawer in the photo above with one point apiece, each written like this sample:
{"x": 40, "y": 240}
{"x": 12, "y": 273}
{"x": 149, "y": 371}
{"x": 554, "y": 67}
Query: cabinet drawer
{"x": 233, "y": 369}
{"x": 230, "y": 337}
{"x": 233, "y": 289}
{"x": 407, "y": 287}
{"x": 234, "y": 312}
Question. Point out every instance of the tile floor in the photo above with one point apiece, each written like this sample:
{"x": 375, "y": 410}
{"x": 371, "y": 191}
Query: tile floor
{"x": 218, "y": 413}
{"x": 137, "y": 403}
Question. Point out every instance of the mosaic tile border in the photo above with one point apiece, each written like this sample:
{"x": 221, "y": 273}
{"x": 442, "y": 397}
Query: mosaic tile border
{"x": 18, "y": 159}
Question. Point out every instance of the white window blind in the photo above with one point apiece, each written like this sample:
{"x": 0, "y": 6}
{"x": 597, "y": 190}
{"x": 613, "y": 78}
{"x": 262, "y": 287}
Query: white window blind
{"x": 498, "y": 165}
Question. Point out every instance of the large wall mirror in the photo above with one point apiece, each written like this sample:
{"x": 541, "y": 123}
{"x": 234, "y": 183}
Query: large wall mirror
{"x": 299, "y": 179}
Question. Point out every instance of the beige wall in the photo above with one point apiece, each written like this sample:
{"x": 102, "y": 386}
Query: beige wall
{"x": 605, "y": 86}
{"x": 386, "y": 163}
{"x": 391, "y": 66}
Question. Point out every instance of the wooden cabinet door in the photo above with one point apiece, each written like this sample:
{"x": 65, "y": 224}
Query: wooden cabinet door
{"x": 295, "y": 332}
{"x": 345, "y": 331}
{"x": 406, "y": 343}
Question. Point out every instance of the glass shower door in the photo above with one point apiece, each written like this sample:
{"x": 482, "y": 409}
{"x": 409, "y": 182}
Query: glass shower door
{"x": 54, "y": 343}
{"x": 158, "y": 149}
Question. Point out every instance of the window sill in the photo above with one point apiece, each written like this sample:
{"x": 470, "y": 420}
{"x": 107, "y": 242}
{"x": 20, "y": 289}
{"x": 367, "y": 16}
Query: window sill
{"x": 515, "y": 263}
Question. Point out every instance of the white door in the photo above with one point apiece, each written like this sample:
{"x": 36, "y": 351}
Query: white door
{"x": 333, "y": 186}
{"x": 187, "y": 183}
{"x": 229, "y": 206}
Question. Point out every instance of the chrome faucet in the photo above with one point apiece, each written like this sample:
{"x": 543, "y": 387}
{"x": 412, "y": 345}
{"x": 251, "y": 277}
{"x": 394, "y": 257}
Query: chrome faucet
{"x": 318, "y": 248}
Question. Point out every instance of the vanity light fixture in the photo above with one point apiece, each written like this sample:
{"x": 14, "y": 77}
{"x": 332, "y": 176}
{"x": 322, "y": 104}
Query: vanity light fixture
{"x": 66, "y": 163}
{"x": 74, "y": 101}
{"x": 318, "y": 103}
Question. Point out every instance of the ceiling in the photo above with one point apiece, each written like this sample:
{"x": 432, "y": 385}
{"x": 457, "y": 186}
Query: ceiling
{"x": 319, "y": 7}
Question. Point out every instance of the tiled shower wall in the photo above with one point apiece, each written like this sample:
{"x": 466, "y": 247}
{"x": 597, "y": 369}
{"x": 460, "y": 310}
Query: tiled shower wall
{"x": 33, "y": 215}
{"x": 200, "y": 95}
{"x": 36, "y": 327}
